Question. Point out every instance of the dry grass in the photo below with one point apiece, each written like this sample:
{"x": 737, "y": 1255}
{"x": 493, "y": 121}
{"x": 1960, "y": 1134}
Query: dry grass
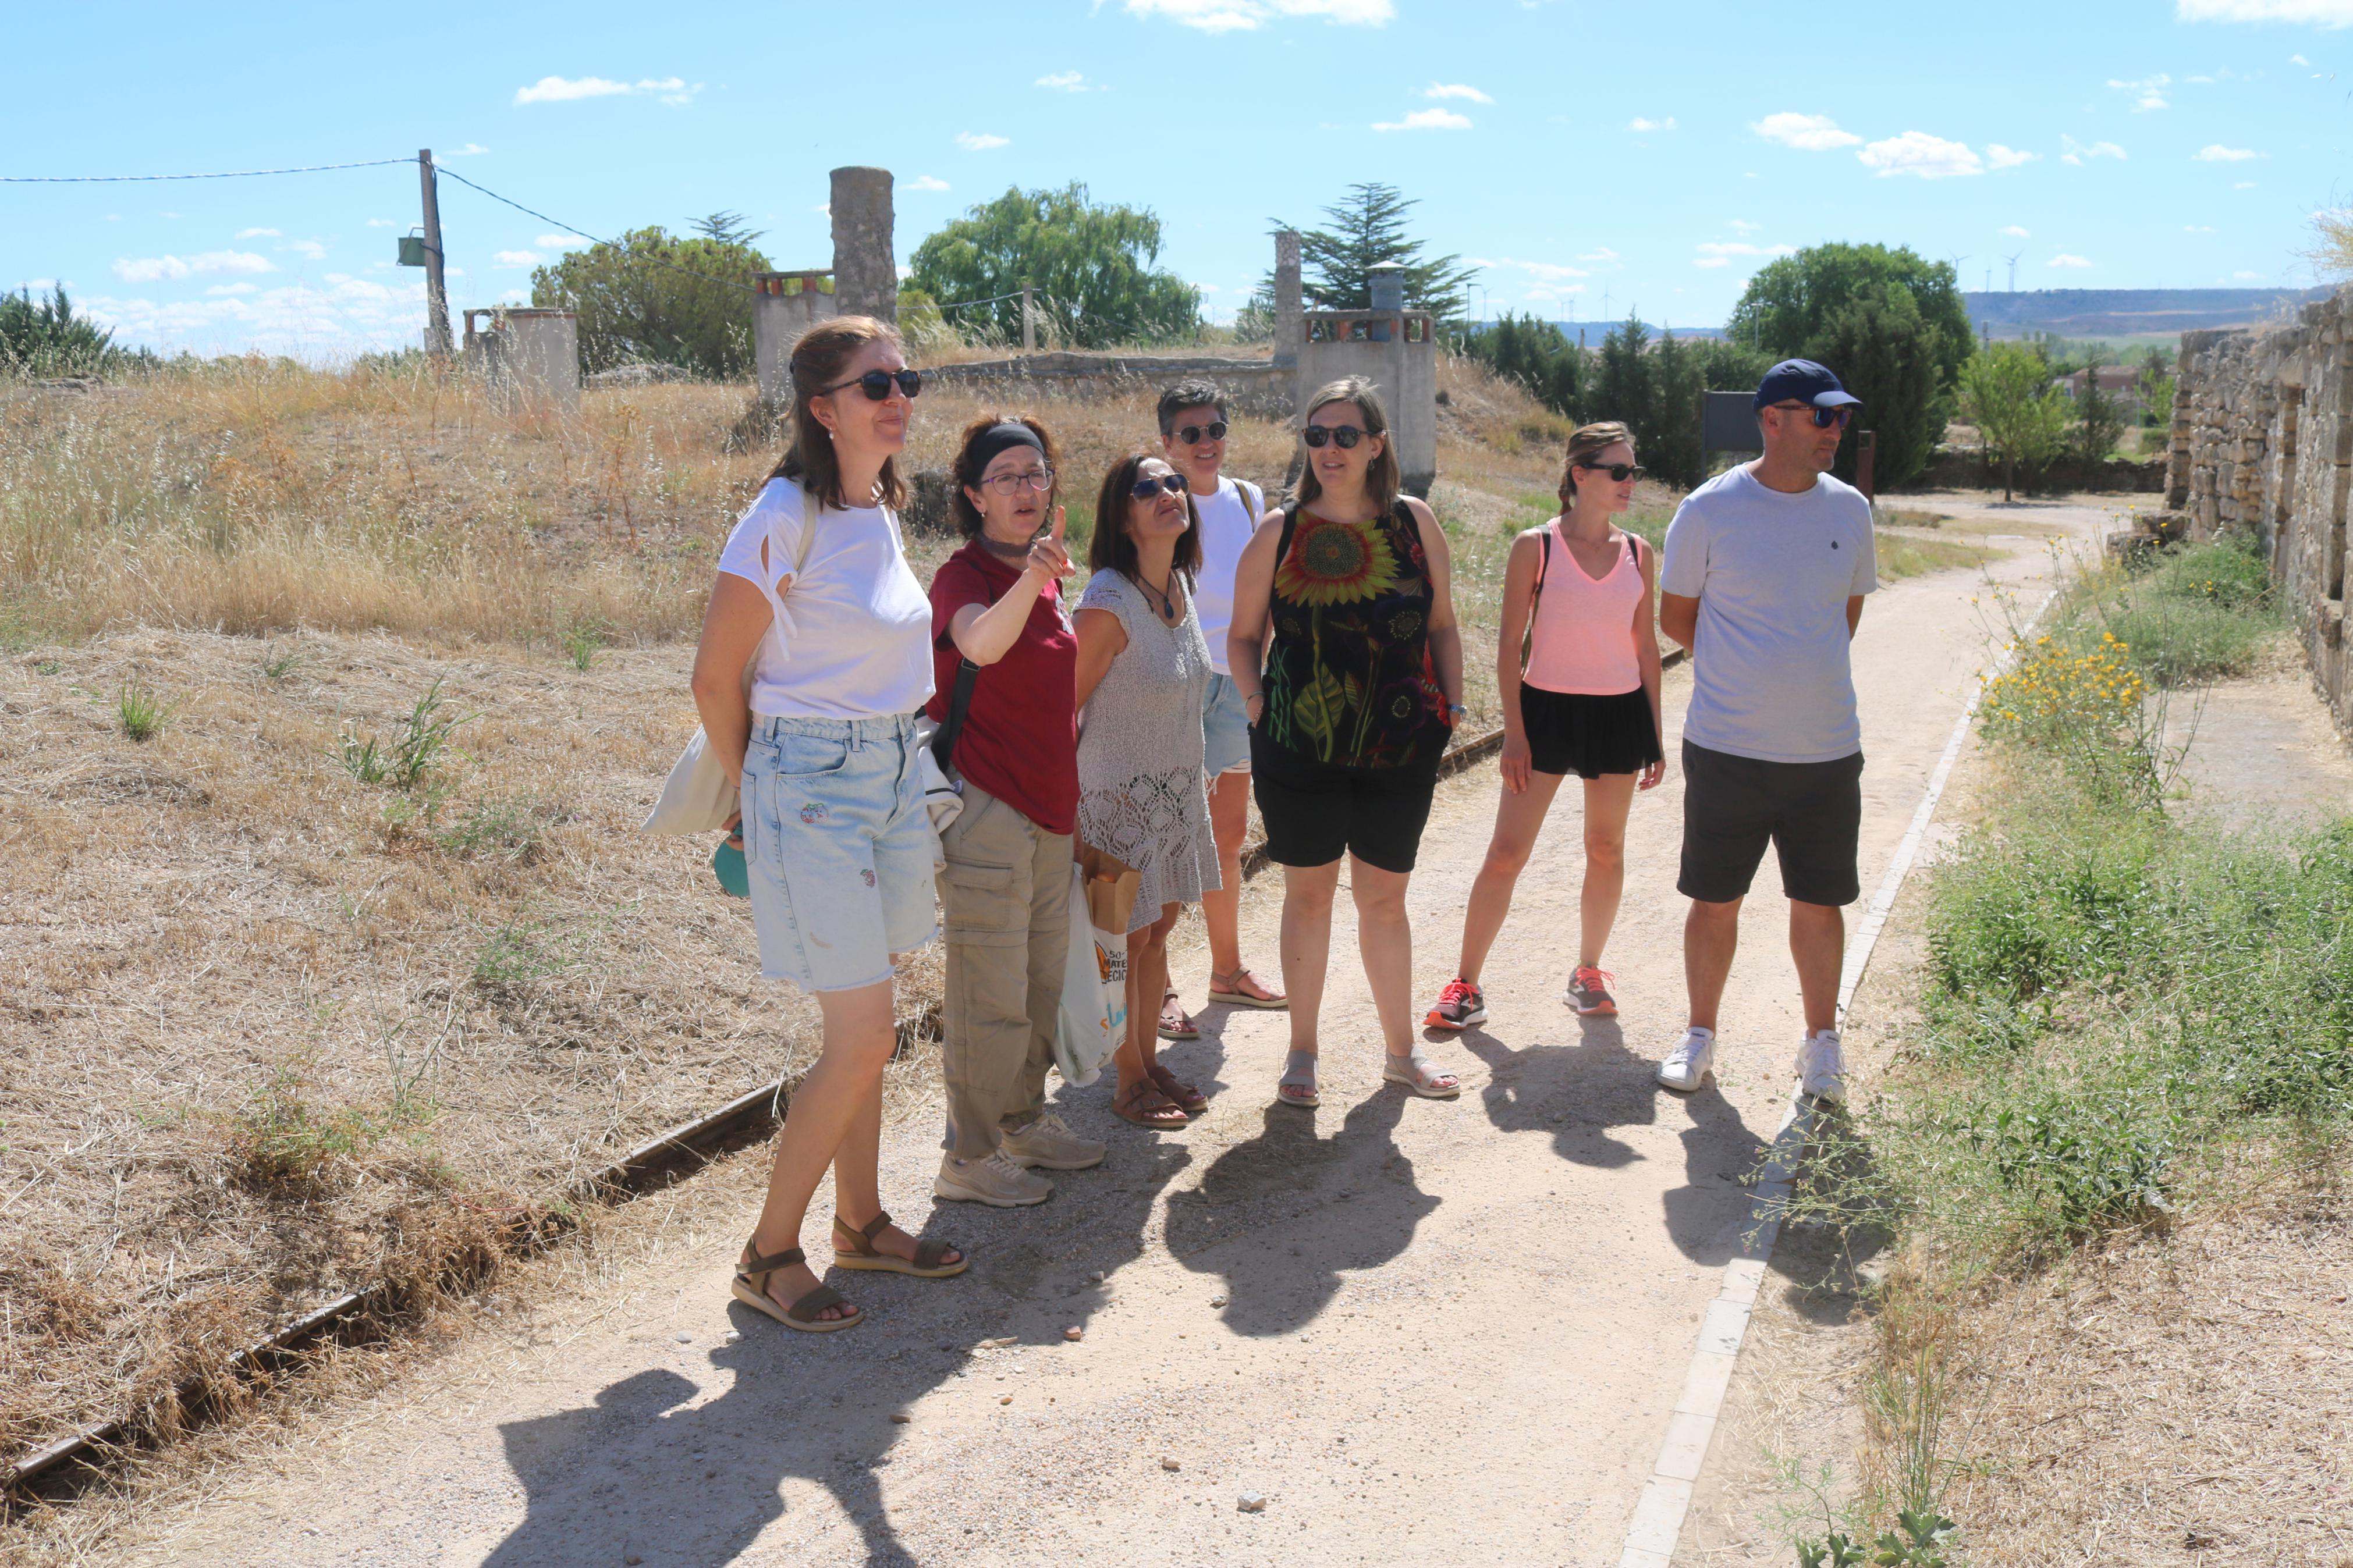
{"x": 267, "y": 1032}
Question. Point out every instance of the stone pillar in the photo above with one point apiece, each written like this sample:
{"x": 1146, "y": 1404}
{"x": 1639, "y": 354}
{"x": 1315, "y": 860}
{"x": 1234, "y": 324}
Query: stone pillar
{"x": 865, "y": 266}
{"x": 1288, "y": 319}
{"x": 531, "y": 359}
{"x": 784, "y": 306}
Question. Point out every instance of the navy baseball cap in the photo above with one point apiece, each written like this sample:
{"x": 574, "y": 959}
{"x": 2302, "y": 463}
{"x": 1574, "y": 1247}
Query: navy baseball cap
{"x": 1805, "y": 381}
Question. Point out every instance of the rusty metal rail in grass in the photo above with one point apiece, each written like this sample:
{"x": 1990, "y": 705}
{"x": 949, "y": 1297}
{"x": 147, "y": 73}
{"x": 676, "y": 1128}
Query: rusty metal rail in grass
{"x": 71, "y": 1462}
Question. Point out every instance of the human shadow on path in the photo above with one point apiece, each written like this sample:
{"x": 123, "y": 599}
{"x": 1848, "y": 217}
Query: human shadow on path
{"x": 1579, "y": 1092}
{"x": 646, "y": 1474}
{"x": 1250, "y": 1218}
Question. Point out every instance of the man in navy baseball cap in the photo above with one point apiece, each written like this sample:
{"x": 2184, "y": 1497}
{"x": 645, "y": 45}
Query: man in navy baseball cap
{"x": 1803, "y": 381}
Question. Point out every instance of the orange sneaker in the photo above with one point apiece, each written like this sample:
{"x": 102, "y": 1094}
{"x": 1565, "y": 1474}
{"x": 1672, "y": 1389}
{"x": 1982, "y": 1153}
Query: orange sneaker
{"x": 1459, "y": 1006}
{"x": 1589, "y": 992}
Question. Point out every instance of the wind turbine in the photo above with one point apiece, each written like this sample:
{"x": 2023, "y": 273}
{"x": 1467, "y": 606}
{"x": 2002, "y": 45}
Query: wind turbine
{"x": 2013, "y": 271}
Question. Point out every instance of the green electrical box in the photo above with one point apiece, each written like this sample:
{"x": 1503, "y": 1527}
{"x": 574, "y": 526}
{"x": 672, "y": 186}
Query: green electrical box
{"x": 412, "y": 250}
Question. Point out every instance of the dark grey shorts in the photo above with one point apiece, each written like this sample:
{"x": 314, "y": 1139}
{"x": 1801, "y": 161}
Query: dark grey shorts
{"x": 1812, "y": 814}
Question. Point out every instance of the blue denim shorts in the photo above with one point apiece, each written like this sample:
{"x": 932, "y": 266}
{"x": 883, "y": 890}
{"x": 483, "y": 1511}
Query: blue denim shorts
{"x": 1225, "y": 729}
{"x": 839, "y": 848}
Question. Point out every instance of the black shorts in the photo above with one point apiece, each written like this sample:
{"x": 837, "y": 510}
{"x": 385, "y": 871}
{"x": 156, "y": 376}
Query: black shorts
{"x": 1811, "y": 813}
{"x": 1569, "y": 732}
{"x": 1315, "y": 812}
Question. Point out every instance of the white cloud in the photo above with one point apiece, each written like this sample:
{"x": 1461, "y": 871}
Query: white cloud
{"x": 1639, "y": 123}
{"x": 561, "y": 241}
{"x": 1742, "y": 225}
{"x": 978, "y": 141}
{"x": 2298, "y": 60}
{"x": 1721, "y": 252}
{"x": 309, "y": 249}
{"x": 234, "y": 288}
{"x": 1917, "y": 153}
{"x": 383, "y": 223}
{"x": 1806, "y": 132}
{"x": 1064, "y": 82}
{"x": 470, "y": 149}
{"x": 1248, "y": 15}
{"x": 1426, "y": 119}
{"x": 1551, "y": 271}
{"x": 2248, "y": 276}
{"x": 2064, "y": 259}
{"x": 2197, "y": 229}
{"x": 311, "y": 322}
{"x": 926, "y": 182}
{"x": 2000, "y": 157}
{"x": 560, "y": 89}
{"x": 257, "y": 234}
{"x": 1455, "y": 90}
{"x": 2320, "y": 13}
{"x": 2215, "y": 152}
{"x": 2016, "y": 232}
{"x": 1599, "y": 253}
{"x": 2148, "y": 93}
{"x": 2079, "y": 154}
{"x": 517, "y": 258}
{"x": 155, "y": 268}
{"x": 515, "y": 297}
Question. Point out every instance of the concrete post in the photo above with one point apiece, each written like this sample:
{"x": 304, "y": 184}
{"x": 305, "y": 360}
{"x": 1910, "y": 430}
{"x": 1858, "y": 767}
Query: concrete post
{"x": 530, "y": 358}
{"x": 1288, "y": 320}
{"x": 865, "y": 266}
{"x": 784, "y": 306}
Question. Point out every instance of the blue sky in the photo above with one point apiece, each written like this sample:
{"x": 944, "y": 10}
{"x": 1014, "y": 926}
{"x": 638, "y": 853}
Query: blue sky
{"x": 1587, "y": 156}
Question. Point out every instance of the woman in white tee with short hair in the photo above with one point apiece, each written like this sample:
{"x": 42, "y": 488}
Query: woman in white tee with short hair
{"x": 814, "y": 594}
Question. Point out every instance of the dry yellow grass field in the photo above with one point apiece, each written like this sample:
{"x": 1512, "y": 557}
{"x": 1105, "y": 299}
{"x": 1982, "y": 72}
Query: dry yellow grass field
{"x": 272, "y": 1030}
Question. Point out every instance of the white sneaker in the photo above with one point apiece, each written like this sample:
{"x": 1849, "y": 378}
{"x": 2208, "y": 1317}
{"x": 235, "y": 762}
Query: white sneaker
{"x": 1822, "y": 1068}
{"x": 1049, "y": 1142}
{"x": 1692, "y": 1063}
{"x": 997, "y": 1181}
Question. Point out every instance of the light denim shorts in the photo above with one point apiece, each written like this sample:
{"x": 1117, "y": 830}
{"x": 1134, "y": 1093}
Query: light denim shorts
{"x": 1225, "y": 729}
{"x": 839, "y": 848}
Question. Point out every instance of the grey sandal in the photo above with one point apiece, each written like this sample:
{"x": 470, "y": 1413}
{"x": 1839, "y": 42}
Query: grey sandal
{"x": 1297, "y": 1084}
{"x": 1419, "y": 1073}
{"x": 750, "y": 1288}
{"x": 853, "y": 1248}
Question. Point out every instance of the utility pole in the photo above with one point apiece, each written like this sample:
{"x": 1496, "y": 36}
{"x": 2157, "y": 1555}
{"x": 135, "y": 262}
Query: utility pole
{"x": 1029, "y": 323}
{"x": 437, "y": 296}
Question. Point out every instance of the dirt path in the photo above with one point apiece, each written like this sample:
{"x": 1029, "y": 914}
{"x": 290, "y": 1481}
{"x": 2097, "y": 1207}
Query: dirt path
{"x": 1415, "y": 1327}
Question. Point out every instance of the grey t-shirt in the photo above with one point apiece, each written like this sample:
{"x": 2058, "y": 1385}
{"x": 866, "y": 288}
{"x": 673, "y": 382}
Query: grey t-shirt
{"x": 1772, "y": 572}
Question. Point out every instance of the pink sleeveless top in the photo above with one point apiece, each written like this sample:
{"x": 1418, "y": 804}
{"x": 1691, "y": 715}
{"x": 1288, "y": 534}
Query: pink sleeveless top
{"x": 1583, "y": 641}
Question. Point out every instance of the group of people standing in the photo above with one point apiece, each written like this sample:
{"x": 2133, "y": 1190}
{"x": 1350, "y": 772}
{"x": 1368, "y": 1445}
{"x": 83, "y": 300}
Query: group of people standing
{"x": 1305, "y": 656}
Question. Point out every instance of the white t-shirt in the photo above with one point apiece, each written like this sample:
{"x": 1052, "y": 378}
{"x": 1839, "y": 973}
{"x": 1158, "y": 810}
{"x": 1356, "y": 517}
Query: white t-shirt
{"x": 852, "y": 636}
{"x": 1227, "y": 523}
{"x": 1772, "y": 572}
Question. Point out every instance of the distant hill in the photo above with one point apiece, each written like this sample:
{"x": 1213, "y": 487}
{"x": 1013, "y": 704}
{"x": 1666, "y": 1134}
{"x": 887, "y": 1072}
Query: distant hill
{"x": 2130, "y": 312}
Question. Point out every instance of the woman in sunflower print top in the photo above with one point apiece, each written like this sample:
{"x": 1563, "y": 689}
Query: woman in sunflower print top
{"x": 1344, "y": 647}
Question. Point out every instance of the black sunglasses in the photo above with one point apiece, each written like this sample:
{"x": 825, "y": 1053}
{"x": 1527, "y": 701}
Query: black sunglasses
{"x": 876, "y": 384}
{"x": 1146, "y": 487}
{"x": 1823, "y": 417}
{"x": 1194, "y": 434}
{"x": 1619, "y": 472}
{"x": 1324, "y": 435}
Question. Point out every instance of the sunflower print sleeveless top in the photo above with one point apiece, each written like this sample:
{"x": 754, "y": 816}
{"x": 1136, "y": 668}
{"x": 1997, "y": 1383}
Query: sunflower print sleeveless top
{"x": 1349, "y": 680}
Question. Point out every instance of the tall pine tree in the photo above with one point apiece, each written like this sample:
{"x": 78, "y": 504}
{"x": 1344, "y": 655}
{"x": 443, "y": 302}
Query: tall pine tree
{"x": 1369, "y": 228}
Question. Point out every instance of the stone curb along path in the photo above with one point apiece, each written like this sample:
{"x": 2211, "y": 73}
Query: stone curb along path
{"x": 1658, "y": 1521}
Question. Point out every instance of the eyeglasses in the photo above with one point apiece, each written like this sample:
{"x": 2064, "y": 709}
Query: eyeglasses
{"x": 1320, "y": 435}
{"x": 1024, "y": 479}
{"x": 1823, "y": 417}
{"x": 1145, "y": 487}
{"x": 1619, "y": 472}
{"x": 876, "y": 384}
{"x": 1194, "y": 434}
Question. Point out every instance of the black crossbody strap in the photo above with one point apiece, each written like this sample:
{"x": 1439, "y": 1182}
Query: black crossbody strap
{"x": 959, "y": 702}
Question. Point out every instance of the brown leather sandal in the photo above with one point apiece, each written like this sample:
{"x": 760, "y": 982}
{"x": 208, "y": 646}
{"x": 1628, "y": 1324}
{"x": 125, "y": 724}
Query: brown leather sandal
{"x": 750, "y": 1288}
{"x": 854, "y": 1248}
{"x": 1189, "y": 1101}
{"x": 1143, "y": 1103}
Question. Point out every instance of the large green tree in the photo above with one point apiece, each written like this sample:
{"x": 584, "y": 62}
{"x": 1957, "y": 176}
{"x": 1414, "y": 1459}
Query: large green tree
{"x": 1538, "y": 354}
{"x": 661, "y": 299}
{"x": 2006, "y": 393}
{"x": 48, "y": 338}
{"x": 1089, "y": 264}
{"x": 1368, "y": 229}
{"x": 1889, "y": 322}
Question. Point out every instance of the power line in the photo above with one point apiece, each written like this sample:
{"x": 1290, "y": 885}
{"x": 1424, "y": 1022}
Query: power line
{"x": 229, "y": 175}
{"x": 571, "y": 228}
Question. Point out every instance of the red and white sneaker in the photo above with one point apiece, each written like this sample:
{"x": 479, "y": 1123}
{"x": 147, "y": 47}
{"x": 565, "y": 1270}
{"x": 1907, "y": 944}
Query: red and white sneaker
{"x": 1459, "y": 1006}
{"x": 1589, "y": 992}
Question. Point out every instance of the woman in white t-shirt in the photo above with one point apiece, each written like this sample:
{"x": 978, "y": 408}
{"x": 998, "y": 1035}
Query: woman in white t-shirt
{"x": 816, "y": 612}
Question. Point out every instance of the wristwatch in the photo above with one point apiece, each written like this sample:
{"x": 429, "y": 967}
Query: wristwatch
{"x": 1455, "y": 710}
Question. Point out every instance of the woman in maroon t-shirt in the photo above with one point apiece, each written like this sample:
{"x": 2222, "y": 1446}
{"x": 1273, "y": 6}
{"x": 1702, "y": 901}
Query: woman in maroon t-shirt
{"x": 1006, "y": 892}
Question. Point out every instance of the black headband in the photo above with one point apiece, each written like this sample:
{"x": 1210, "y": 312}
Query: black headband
{"x": 998, "y": 438}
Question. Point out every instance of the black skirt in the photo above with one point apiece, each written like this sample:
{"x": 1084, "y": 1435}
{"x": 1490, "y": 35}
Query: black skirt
{"x": 1569, "y": 732}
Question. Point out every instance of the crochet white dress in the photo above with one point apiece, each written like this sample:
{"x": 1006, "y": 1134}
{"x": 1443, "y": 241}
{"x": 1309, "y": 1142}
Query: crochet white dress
{"x": 1141, "y": 796}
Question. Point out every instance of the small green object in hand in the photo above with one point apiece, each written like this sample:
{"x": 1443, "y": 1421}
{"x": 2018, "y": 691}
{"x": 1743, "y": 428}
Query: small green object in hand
{"x": 727, "y": 865}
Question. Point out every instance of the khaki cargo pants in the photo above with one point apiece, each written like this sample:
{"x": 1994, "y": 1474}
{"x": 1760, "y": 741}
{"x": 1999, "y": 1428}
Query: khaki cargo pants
{"x": 1005, "y": 901}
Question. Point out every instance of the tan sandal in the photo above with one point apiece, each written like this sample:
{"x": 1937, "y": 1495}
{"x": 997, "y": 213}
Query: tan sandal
{"x": 854, "y": 1248}
{"x": 750, "y": 1288}
{"x": 1143, "y": 1103}
{"x": 1234, "y": 990}
{"x": 1188, "y": 1100}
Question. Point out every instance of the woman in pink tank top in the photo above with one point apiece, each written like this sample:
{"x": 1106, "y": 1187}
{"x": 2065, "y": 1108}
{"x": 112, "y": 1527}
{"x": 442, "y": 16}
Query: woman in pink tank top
{"x": 1581, "y": 696}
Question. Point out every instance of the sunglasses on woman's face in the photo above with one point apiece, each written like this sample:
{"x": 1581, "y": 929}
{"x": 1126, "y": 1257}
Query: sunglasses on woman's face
{"x": 1194, "y": 434}
{"x": 877, "y": 383}
{"x": 1619, "y": 472}
{"x": 1823, "y": 417}
{"x": 1147, "y": 487}
{"x": 1319, "y": 436}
